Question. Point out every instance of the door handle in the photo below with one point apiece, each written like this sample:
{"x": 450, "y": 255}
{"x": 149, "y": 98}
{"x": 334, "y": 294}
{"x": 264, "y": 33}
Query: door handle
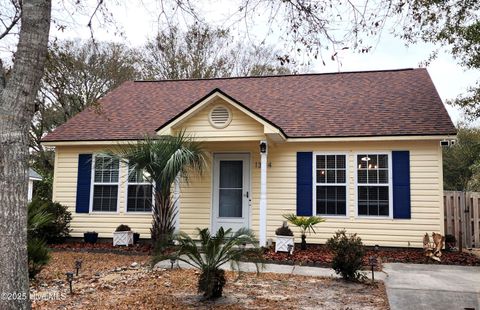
{"x": 246, "y": 194}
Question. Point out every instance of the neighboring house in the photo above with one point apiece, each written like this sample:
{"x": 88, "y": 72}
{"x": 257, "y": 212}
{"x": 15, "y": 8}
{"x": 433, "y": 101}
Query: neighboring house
{"x": 361, "y": 149}
{"x": 32, "y": 176}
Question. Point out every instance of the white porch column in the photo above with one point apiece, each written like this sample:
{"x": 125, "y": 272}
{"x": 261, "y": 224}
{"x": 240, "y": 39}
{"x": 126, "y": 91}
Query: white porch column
{"x": 263, "y": 193}
{"x": 176, "y": 199}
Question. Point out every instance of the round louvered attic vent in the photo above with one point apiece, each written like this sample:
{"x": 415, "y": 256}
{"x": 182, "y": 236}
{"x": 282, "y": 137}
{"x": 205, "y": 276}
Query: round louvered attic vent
{"x": 220, "y": 116}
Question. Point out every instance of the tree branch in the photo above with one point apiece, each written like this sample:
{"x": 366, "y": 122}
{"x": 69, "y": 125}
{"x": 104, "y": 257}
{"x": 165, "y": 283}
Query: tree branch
{"x": 16, "y": 18}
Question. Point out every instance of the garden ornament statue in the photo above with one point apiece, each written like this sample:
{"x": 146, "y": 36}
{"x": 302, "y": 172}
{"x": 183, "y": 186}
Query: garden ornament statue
{"x": 433, "y": 249}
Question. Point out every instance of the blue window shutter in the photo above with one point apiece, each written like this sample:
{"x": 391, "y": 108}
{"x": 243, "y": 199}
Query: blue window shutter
{"x": 304, "y": 183}
{"x": 401, "y": 184}
{"x": 84, "y": 178}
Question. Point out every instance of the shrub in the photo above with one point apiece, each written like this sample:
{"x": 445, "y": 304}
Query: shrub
{"x": 348, "y": 255}
{"x": 56, "y": 230}
{"x": 284, "y": 230}
{"x": 123, "y": 227}
{"x": 212, "y": 252}
{"x": 38, "y": 256}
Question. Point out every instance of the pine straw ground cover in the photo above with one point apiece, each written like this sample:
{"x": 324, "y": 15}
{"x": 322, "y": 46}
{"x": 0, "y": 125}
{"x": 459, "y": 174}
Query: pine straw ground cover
{"x": 108, "y": 281}
{"x": 103, "y": 247}
{"x": 319, "y": 255}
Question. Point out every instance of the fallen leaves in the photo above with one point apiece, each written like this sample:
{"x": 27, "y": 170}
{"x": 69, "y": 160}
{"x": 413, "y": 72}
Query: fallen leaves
{"x": 112, "y": 281}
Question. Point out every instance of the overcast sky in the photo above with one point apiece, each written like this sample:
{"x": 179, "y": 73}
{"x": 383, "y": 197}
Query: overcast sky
{"x": 140, "y": 22}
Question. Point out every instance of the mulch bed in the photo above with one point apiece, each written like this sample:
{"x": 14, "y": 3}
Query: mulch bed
{"x": 112, "y": 281}
{"x": 104, "y": 247}
{"x": 319, "y": 255}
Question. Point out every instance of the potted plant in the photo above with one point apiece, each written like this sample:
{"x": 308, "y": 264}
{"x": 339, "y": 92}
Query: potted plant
{"x": 123, "y": 235}
{"x": 305, "y": 223}
{"x": 136, "y": 237}
{"x": 90, "y": 237}
{"x": 450, "y": 242}
{"x": 285, "y": 240}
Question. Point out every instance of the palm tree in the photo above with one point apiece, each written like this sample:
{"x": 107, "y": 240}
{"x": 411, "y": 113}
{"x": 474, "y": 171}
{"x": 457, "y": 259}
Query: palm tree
{"x": 305, "y": 223}
{"x": 213, "y": 251}
{"x": 163, "y": 159}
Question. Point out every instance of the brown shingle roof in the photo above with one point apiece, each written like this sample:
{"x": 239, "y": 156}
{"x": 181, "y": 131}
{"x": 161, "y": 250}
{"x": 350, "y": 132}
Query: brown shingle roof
{"x": 351, "y": 104}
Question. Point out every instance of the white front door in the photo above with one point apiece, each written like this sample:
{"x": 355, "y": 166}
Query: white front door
{"x": 231, "y": 191}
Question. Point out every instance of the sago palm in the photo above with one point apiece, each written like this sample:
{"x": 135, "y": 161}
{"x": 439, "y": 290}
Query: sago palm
{"x": 305, "y": 223}
{"x": 163, "y": 159}
{"x": 212, "y": 251}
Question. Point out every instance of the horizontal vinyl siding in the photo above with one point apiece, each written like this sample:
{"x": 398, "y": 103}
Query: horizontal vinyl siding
{"x": 426, "y": 193}
{"x": 241, "y": 127}
{"x": 65, "y": 186}
{"x": 196, "y": 196}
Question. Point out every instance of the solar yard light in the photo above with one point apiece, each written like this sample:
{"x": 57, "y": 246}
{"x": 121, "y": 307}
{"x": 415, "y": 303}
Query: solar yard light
{"x": 373, "y": 261}
{"x": 70, "y": 280}
{"x": 78, "y": 265}
{"x": 172, "y": 262}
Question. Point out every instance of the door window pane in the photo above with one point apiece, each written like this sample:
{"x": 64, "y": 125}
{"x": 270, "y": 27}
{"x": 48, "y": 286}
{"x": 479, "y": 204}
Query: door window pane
{"x": 230, "y": 200}
{"x": 231, "y": 174}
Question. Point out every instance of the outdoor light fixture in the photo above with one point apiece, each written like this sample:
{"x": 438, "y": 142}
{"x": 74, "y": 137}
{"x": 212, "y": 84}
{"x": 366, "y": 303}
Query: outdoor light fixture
{"x": 172, "y": 262}
{"x": 373, "y": 261}
{"x": 263, "y": 147}
{"x": 78, "y": 265}
{"x": 70, "y": 280}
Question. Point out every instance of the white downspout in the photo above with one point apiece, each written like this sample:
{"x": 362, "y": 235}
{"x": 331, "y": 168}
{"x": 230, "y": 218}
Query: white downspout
{"x": 30, "y": 190}
{"x": 263, "y": 193}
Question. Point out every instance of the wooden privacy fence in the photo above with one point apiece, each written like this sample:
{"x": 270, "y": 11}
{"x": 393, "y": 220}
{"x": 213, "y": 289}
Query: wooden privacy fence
{"x": 462, "y": 217}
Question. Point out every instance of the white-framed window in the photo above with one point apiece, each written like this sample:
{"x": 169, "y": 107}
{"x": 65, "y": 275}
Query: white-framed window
{"x": 139, "y": 192}
{"x": 105, "y": 183}
{"x": 374, "y": 189}
{"x": 330, "y": 192}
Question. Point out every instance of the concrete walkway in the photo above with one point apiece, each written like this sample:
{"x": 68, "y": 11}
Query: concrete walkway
{"x": 415, "y": 286}
{"x": 276, "y": 268}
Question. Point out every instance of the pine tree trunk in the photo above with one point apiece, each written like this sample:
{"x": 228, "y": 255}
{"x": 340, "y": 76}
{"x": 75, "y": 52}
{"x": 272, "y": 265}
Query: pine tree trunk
{"x": 17, "y": 97}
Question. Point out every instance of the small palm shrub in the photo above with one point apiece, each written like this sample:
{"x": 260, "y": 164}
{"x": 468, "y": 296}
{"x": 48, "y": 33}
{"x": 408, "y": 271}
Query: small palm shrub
{"x": 58, "y": 228}
{"x": 38, "y": 254}
{"x": 212, "y": 251}
{"x": 305, "y": 223}
{"x": 348, "y": 255}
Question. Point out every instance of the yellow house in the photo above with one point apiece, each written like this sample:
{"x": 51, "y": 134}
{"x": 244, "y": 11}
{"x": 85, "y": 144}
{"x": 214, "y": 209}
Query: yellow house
{"x": 361, "y": 149}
